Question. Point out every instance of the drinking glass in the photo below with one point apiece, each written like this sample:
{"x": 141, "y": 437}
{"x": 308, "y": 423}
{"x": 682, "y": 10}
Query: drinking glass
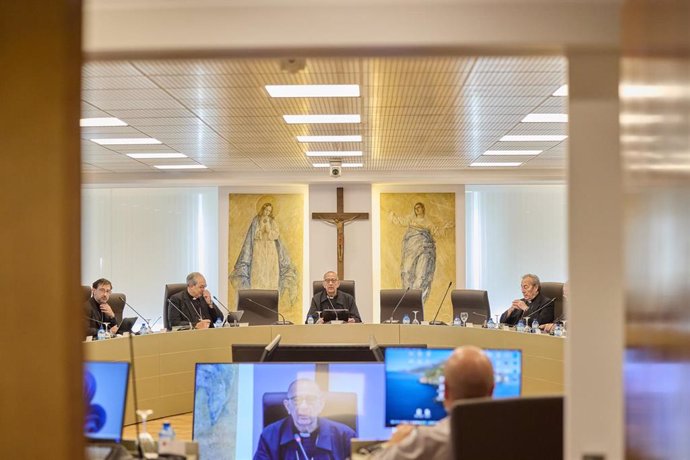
{"x": 498, "y": 325}
{"x": 464, "y": 316}
{"x": 146, "y": 441}
{"x": 415, "y": 320}
{"x": 319, "y": 312}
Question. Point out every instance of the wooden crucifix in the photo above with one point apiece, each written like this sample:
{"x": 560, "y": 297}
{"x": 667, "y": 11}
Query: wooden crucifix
{"x": 339, "y": 219}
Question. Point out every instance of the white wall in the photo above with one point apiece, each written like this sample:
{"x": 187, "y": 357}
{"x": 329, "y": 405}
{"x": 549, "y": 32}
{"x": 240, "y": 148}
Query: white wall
{"x": 513, "y": 230}
{"x": 143, "y": 238}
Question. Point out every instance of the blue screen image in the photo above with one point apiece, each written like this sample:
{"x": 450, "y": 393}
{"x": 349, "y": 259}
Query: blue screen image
{"x": 414, "y": 382}
{"x": 105, "y": 395}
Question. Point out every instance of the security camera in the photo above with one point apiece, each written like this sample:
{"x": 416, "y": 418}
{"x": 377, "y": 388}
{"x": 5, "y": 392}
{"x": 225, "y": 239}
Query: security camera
{"x": 336, "y": 168}
{"x": 293, "y": 65}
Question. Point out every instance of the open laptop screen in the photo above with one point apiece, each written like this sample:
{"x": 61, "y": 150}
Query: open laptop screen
{"x": 105, "y": 395}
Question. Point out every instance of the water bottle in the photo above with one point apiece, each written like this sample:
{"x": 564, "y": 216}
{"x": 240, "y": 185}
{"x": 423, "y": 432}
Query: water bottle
{"x": 219, "y": 323}
{"x": 406, "y": 319}
{"x": 490, "y": 323}
{"x": 143, "y": 330}
{"x": 310, "y": 319}
{"x": 166, "y": 435}
{"x": 535, "y": 327}
{"x": 102, "y": 334}
{"x": 456, "y": 321}
{"x": 520, "y": 326}
{"x": 557, "y": 330}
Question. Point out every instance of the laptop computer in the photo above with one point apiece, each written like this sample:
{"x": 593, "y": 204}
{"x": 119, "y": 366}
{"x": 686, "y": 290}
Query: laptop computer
{"x": 126, "y": 325}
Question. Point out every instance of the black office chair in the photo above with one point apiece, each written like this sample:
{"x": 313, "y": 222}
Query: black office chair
{"x": 345, "y": 286}
{"x": 411, "y": 302}
{"x": 117, "y": 303}
{"x": 254, "y": 314}
{"x": 170, "y": 290}
{"x": 475, "y": 422}
{"x": 474, "y": 301}
{"x": 85, "y": 293}
{"x": 551, "y": 289}
{"x": 339, "y": 407}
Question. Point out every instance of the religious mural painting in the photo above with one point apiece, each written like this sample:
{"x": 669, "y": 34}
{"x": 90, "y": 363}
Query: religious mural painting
{"x": 265, "y": 247}
{"x": 418, "y": 246}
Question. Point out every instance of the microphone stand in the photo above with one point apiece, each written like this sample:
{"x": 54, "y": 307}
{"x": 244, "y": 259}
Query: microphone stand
{"x": 441, "y": 323}
{"x": 148, "y": 325}
{"x": 526, "y": 318}
{"x": 180, "y": 311}
{"x": 390, "y": 320}
{"x": 282, "y": 322}
{"x": 224, "y": 307}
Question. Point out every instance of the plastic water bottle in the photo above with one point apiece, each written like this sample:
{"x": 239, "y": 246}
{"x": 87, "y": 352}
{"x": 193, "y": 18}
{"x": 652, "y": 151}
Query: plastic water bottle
{"x": 490, "y": 323}
{"x": 219, "y": 323}
{"x": 166, "y": 435}
{"x": 406, "y": 319}
{"x": 558, "y": 330}
{"x": 102, "y": 334}
{"x": 535, "y": 327}
{"x": 143, "y": 330}
{"x": 310, "y": 319}
{"x": 456, "y": 321}
{"x": 520, "y": 326}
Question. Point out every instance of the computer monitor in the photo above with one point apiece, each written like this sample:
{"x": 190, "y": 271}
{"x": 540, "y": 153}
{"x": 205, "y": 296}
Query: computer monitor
{"x": 310, "y": 353}
{"x": 414, "y": 387}
{"x": 105, "y": 396}
{"x": 234, "y": 404}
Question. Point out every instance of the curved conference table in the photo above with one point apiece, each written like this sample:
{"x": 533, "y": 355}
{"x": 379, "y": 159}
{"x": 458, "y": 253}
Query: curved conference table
{"x": 165, "y": 361}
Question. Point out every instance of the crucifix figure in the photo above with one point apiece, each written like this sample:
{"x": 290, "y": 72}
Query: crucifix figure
{"x": 339, "y": 219}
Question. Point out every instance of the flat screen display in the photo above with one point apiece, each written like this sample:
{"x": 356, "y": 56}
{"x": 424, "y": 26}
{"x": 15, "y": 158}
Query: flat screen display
{"x": 105, "y": 396}
{"x": 414, "y": 383}
{"x": 291, "y": 410}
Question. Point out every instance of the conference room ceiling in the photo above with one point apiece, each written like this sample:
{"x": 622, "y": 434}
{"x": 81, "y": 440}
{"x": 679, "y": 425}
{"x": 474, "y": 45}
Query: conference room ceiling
{"x": 422, "y": 118}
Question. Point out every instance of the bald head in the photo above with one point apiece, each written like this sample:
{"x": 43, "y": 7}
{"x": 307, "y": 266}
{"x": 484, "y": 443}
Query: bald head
{"x": 468, "y": 374}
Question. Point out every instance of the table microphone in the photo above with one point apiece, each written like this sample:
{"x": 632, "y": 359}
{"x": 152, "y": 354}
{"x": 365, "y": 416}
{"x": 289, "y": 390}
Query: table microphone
{"x": 298, "y": 440}
{"x": 222, "y": 305}
{"x": 102, "y": 323}
{"x": 390, "y": 320}
{"x": 282, "y": 322}
{"x": 441, "y": 323}
{"x": 181, "y": 312}
{"x": 138, "y": 314}
{"x": 527, "y": 317}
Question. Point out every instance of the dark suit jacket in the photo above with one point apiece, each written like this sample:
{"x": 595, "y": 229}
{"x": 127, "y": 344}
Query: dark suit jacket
{"x": 341, "y": 300}
{"x": 93, "y": 312}
{"x": 194, "y": 309}
{"x": 277, "y": 441}
{"x": 543, "y": 317}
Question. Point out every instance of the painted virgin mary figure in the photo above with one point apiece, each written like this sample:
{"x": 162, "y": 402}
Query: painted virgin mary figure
{"x": 418, "y": 261}
{"x": 263, "y": 261}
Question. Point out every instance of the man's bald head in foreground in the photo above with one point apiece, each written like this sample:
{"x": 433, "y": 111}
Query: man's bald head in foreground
{"x": 468, "y": 374}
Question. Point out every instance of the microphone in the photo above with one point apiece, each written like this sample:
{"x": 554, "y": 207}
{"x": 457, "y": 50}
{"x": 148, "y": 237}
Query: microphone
{"x": 441, "y": 323}
{"x": 282, "y": 322}
{"x": 527, "y": 317}
{"x": 390, "y": 320}
{"x": 154, "y": 323}
{"x": 102, "y": 323}
{"x": 224, "y": 307}
{"x": 298, "y": 440}
{"x": 332, "y": 307}
{"x": 138, "y": 314}
{"x": 181, "y": 312}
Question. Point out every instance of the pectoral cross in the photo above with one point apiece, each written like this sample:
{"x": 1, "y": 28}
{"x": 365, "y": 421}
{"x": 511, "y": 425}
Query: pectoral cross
{"x": 339, "y": 219}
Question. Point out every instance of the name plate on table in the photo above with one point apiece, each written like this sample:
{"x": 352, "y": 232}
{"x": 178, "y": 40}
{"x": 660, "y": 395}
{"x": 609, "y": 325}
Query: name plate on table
{"x": 469, "y": 324}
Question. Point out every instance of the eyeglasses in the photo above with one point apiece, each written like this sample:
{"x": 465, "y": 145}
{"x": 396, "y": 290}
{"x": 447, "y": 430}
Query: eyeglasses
{"x": 308, "y": 400}
{"x": 330, "y": 280}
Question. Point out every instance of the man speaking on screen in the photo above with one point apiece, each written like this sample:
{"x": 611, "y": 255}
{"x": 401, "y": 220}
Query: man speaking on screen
{"x": 303, "y": 435}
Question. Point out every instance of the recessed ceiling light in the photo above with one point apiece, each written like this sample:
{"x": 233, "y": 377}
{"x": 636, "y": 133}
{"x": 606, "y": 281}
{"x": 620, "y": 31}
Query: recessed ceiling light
{"x": 505, "y": 164}
{"x": 562, "y": 91}
{"x": 101, "y": 122}
{"x": 142, "y": 156}
{"x": 313, "y": 90}
{"x": 546, "y": 118}
{"x": 346, "y": 153}
{"x": 180, "y": 166}
{"x": 512, "y": 152}
{"x": 533, "y": 138}
{"x": 128, "y": 141}
{"x": 344, "y": 165}
{"x": 355, "y": 138}
{"x": 293, "y": 119}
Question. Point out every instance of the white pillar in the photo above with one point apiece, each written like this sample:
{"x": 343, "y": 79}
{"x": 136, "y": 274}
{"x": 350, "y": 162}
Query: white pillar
{"x": 594, "y": 350}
